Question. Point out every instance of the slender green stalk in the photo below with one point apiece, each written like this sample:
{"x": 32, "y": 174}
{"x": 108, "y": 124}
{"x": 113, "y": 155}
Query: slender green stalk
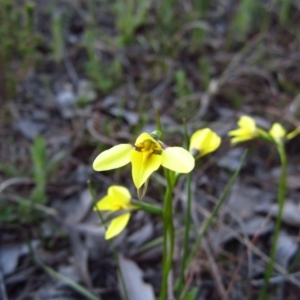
{"x": 187, "y": 219}
{"x": 281, "y": 199}
{"x": 168, "y": 243}
{"x": 187, "y": 222}
{"x": 147, "y": 207}
{"x": 116, "y": 257}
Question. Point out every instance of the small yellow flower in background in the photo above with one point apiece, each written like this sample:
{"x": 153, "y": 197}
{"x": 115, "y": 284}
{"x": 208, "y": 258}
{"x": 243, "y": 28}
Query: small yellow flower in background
{"x": 204, "y": 141}
{"x": 146, "y": 156}
{"x": 279, "y": 134}
{"x": 247, "y": 130}
{"x": 117, "y": 199}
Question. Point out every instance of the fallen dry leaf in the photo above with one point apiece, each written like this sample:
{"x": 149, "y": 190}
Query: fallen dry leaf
{"x": 285, "y": 250}
{"x": 290, "y": 214}
{"x": 9, "y": 256}
{"x": 136, "y": 288}
{"x": 82, "y": 208}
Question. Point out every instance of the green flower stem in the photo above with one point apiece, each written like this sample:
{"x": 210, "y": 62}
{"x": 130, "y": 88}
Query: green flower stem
{"x": 264, "y": 135}
{"x": 147, "y": 207}
{"x": 281, "y": 199}
{"x": 116, "y": 257}
{"x": 168, "y": 243}
{"x": 187, "y": 223}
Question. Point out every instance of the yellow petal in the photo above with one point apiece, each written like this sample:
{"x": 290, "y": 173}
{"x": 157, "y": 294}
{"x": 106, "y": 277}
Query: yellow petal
{"x": 117, "y": 198}
{"x": 247, "y": 122}
{"x": 247, "y": 130}
{"x": 178, "y": 160}
{"x": 117, "y": 225}
{"x": 115, "y": 157}
{"x": 239, "y": 139}
{"x": 236, "y": 132}
{"x": 204, "y": 141}
{"x": 119, "y": 192}
{"x": 107, "y": 203}
{"x": 145, "y": 136}
{"x": 277, "y": 132}
{"x": 240, "y": 135}
{"x": 143, "y": 167}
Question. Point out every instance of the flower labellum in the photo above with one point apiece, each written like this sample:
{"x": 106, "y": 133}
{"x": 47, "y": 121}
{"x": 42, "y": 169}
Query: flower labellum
{"x": 146, "y": 156}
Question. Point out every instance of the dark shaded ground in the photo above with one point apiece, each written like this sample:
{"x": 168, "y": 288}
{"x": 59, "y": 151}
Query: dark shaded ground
{"x": 81, "y": 83}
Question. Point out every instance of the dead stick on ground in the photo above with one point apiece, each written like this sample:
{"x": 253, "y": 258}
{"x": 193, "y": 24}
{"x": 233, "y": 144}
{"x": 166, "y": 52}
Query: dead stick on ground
{"x": 213, "y": 265}
{"x": 12, "y": 181}
{"x": 251, "y": 247}
{"x": 254, "y": 239}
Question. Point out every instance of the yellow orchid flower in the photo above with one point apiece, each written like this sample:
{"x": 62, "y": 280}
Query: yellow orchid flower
{"x": 146, "y": 156}
{"x": 247, "y": 130}
{"x": 204, "y": 141}
{"x": 279, "y": 134}
{"x": 117, "y": 199}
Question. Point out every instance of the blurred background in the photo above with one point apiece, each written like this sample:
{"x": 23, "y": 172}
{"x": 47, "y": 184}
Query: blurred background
{"x": 77, "y": 77}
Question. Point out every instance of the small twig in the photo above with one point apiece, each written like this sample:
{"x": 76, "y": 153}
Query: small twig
{"x": 71, "y": 71}
{"x": 46, "y": 210}
{"x": 241, "y": 259}
{"x": 238, "y": 57}
{"x": 214, "y": 269}
{"x": 101, "y": 137}
{"x": 252, "y": 247}
{"x": 12, "y": 181}
{"x": 212, "y": 263}
{"x": 277, "y": 279}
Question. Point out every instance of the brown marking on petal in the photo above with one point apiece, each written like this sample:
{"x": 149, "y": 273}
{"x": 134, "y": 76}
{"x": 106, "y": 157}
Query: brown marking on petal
{"x": 148, "y": 147}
